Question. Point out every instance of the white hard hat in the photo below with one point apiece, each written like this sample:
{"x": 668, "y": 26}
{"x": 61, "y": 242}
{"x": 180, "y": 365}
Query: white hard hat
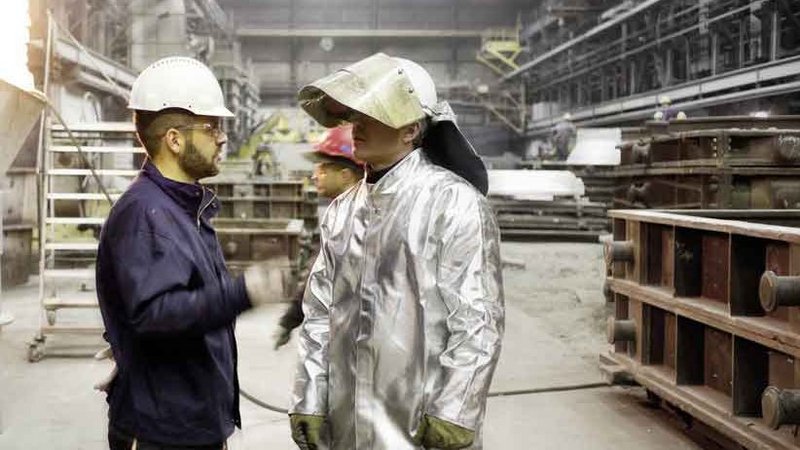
{"x": 664, "y": 100}
{"x": 421, "y": 81}
{"x": 179, "y": 82}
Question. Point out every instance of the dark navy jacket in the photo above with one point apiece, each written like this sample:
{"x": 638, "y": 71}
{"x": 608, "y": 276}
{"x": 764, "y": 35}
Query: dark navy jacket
{"x": 169, "y": 308}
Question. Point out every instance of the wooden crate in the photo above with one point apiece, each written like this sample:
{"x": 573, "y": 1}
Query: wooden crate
{"x": 700, "y": 322}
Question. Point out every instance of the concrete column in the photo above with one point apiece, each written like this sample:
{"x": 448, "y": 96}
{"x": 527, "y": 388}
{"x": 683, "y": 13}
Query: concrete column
{"x": 158, "y": 29}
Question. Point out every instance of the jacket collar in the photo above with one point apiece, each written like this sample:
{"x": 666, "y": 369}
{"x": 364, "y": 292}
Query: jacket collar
{"x": 189, "y": 197}
{"x": 398, "y": 176}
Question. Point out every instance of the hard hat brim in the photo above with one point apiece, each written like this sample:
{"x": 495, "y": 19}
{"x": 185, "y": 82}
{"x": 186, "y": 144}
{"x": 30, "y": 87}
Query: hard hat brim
{"x": 214, "y": 112}
{"x": 319, "y": 157}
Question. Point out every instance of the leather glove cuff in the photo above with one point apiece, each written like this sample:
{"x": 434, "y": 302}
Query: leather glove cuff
{"x": 308, "y": 431}
{"x": 440, "y": 434}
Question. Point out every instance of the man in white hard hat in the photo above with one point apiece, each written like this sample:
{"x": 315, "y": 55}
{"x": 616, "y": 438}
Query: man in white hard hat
{"x": 167, "y": 300}
{"x": 404, "y": 305}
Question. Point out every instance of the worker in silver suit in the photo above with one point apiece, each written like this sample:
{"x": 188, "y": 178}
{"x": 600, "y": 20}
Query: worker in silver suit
{"x": 404, "y": 304}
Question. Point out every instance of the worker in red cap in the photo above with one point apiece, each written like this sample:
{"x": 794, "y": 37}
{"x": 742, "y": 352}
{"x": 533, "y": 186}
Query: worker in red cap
{"x": 336, "y": 170}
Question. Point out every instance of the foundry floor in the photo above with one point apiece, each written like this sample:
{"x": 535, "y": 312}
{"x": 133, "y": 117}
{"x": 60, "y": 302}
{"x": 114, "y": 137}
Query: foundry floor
{"x": 554, "y": 332}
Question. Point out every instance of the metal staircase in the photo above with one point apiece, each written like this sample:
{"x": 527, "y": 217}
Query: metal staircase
{"x": 85, "y": 169}
{"x": 506, "y": 105}
{"x": 500, "y": 48}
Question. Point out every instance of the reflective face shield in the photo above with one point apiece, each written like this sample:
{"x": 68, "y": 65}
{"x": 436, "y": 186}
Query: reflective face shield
{"x": 375, "y": 86}
{"x": 379, "y": 87}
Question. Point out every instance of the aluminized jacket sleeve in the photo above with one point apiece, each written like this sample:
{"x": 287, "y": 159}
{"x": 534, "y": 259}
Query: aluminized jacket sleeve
{"x": 470, "y": 285}
{"x": 311, "y": 381}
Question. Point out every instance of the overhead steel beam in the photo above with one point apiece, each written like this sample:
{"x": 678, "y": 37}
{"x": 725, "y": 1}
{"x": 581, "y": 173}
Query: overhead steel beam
{"x": 653, "y": 44}
{"x": 539, "y": 26}
{"x": 538, "y": 129}
{"x": 355, "y": 33}
{"x": 573, "y": 10}
{"x": 643, "y": 106}
{"x": 93, "y": 62}
{"x": 583, "y": 37}
{"x": 96, "y": 82}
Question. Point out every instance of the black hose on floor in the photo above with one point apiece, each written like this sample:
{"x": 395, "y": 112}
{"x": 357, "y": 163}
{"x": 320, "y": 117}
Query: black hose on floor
{"x": 261, "y": 403}
{"x": 572, "y": 387}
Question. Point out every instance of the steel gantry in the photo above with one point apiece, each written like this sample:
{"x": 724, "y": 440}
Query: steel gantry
{"x": 699, "y": 52}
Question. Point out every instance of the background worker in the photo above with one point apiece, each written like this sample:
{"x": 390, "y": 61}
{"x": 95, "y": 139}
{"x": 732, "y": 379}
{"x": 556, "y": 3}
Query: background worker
{"x": 336, "y": 170}
{"x": 564, "y": 133}
{"x": 665, "y": 109}
{"x": 167, "y": 300}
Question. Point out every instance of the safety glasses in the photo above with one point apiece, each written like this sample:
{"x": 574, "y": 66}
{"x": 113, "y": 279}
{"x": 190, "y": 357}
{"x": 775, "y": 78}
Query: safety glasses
{"x": 214, "y": 130}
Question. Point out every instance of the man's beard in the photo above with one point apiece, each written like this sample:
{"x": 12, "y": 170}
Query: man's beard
{"x": 195, "y": 164}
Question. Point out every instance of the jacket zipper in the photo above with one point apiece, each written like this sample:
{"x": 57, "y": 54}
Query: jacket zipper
{"x": 203, "y": 207}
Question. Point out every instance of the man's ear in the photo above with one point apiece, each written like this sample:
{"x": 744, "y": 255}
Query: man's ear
{"x": 410, "y": 132}
{"x": 349, "y": 175}
{"x": 173, "y": 140}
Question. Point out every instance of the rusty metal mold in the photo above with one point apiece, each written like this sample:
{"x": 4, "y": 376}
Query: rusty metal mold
{"x": 707, "y": 316}
{"x": 265, "y": 198}
{"x": 618, "y": 251}
{"x": 710, "y": 168}
{"x": 620, "y": 330}
{"x": 276, "y": 242}
{"x": 775, "y": 291}
{"x": 781, "y": 407}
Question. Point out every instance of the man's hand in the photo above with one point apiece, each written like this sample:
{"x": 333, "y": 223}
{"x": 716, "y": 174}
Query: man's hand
{"x": 282, "y": 336}
{"x": 105, "y": 383}
{"x": 263, "y": 283}
{"x": 307, "y": 430}
{"x": 441, "y": 434}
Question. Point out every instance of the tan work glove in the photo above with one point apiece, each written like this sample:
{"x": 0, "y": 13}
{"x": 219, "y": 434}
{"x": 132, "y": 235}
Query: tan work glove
{"x": 264, "y": 284}
{"x": 441, "y": 434}
{"x": 307, "y": 431}
{"x": 104, "y": 384}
